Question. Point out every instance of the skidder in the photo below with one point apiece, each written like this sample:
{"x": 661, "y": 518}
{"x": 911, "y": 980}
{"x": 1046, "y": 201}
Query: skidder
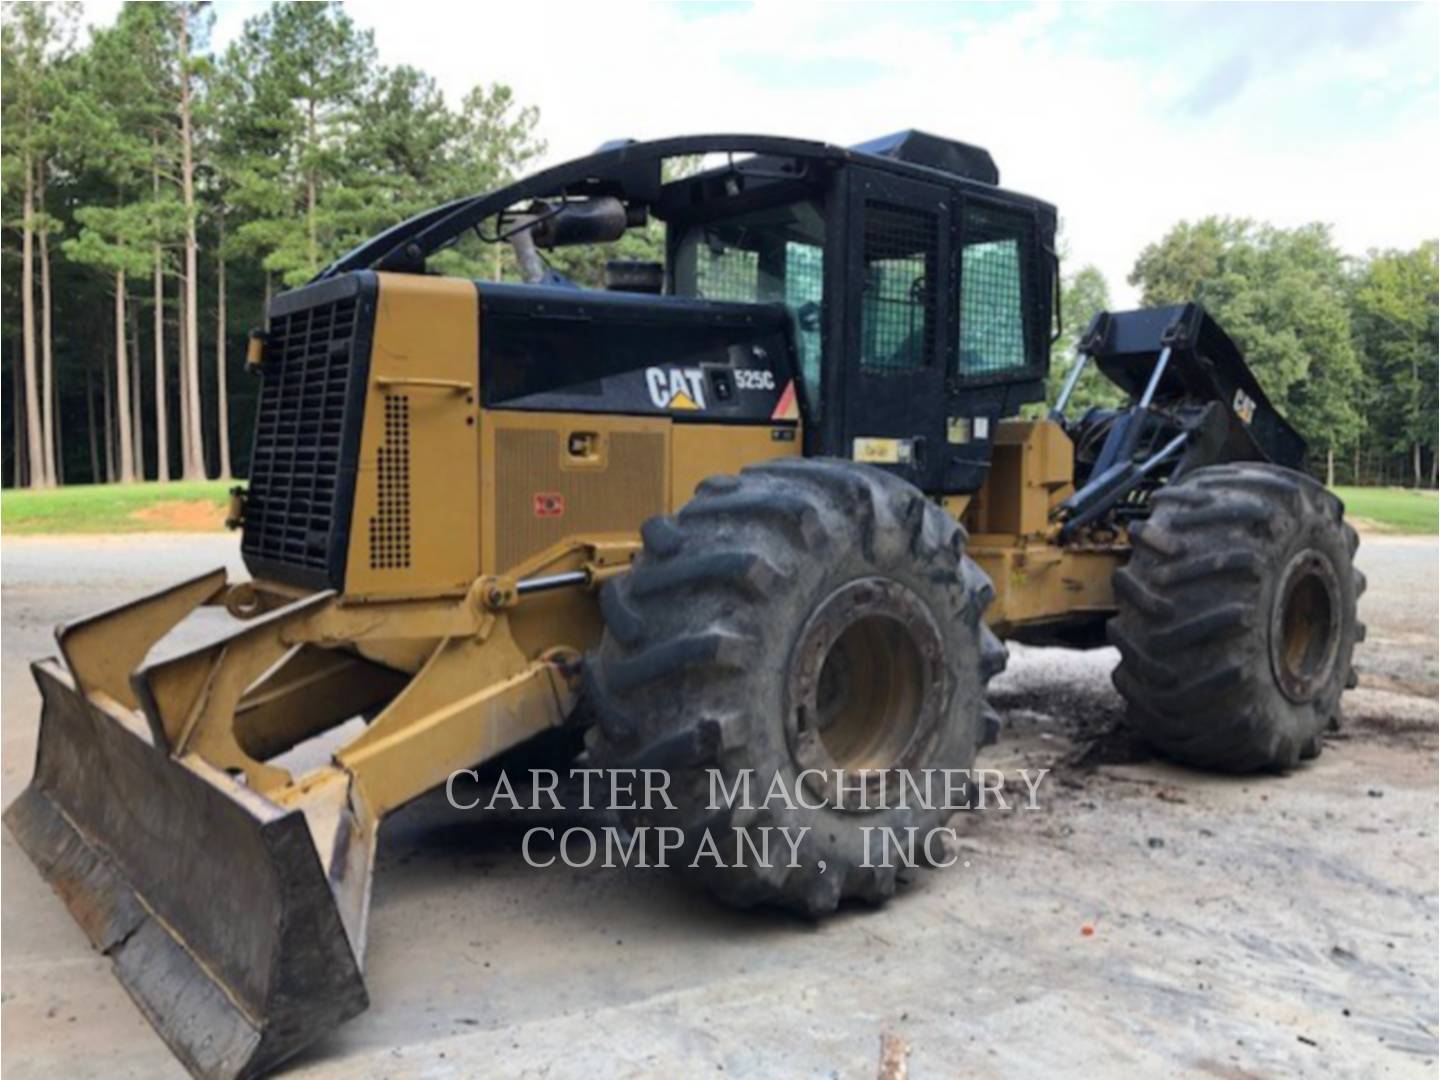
{"x": 765, "y": 508}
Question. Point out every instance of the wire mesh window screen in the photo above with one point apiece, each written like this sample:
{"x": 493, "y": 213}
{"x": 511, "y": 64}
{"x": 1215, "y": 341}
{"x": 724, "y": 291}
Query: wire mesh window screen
{"x": 727, "y": 273}
{"x": 897, "y": 313}
{"x": 996, "y": 272}
{"x": 804, "y": 283}
{"x": 771, "y": 255}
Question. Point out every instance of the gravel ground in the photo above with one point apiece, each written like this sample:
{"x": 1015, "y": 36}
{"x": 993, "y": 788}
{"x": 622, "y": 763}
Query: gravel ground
{"x": 1238, "y": 927}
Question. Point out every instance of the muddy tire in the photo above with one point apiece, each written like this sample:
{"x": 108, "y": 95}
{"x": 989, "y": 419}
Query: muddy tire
{"x": 1236, "y": 622}
{"x": 806, "y": 614}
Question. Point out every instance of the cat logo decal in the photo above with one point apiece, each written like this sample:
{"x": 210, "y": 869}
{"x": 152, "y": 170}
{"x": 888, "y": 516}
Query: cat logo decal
{"x": 676, "y": 388}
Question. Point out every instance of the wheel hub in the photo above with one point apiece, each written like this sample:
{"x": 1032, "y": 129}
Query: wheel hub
{"x": 1305, "y": 626}
{"x": 866, "y": 686}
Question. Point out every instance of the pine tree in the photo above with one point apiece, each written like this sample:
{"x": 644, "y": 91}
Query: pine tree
{"x": 138, "y": 174}
{"x": 190, "y": 22}
{"x": 112, "y": 241}
{"x": 147, "y": 32}
{"x": 36, "y": 42}
{"x": 309, "y": 67}
{"x": 109, "y": 122}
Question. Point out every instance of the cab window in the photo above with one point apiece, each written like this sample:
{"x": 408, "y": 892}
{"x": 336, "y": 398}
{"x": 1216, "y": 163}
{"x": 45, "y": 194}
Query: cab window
{"x": 997, "y": 256}
{"x": 897, "y": 306}
{"x": 774, "y": 255}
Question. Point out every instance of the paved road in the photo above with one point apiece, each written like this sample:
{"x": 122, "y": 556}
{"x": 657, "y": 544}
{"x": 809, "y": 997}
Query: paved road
{"x": 1240, "y": 927}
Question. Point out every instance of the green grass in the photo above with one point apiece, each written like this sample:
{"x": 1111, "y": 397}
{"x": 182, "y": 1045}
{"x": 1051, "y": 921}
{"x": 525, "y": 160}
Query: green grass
{"x": 1389, "y": 509}
{"x": 189, "y": 506}
{"x": 184, "y": 506}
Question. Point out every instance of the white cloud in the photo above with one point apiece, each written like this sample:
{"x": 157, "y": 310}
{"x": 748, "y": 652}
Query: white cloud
{"x": 1067, "y": 115}
{"x": 1127, "y": 118}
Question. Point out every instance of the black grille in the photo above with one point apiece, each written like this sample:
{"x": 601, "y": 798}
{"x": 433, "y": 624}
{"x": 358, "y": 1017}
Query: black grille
{"x": 298, "y": 506}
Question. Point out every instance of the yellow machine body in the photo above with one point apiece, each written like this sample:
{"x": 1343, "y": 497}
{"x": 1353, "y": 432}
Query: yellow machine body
{"x": 446, "y": 489}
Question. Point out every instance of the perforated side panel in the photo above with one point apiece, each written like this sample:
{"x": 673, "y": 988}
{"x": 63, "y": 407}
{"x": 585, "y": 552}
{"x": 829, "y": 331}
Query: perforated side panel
{"x": 390, "y": 525}
{"x": 618, "y": 497}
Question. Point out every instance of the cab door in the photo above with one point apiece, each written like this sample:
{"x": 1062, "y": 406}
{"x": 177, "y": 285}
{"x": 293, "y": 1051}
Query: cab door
{"x": 897, "y": 310}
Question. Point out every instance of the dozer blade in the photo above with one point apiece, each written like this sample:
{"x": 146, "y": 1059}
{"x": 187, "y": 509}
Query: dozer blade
{"x": 210, "y": 900}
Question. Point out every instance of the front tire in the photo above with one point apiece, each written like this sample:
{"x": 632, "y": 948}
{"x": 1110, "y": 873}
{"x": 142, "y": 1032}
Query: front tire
{"x": 1236, "y": 624}
{"x": 806, "y": 614}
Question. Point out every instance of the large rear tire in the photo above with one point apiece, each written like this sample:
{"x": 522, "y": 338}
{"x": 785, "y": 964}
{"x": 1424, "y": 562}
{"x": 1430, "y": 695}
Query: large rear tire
{"x": 1236, "y": 623}
{"x": 806, "y": 614}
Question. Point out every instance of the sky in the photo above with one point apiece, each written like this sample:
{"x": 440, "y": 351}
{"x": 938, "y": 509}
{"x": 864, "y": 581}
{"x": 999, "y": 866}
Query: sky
{"x": 1127, "y": 117}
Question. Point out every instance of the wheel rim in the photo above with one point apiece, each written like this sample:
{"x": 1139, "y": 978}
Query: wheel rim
{"x": 1305, "y": 626}
{"x": 866, "y": 684}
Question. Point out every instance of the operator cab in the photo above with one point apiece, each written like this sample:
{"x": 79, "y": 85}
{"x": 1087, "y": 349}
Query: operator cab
{"x": 912, "y": 296}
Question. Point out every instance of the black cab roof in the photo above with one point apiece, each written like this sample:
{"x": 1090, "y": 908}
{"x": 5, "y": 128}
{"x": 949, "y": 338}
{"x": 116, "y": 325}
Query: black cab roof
{"x": 632, "y": 171}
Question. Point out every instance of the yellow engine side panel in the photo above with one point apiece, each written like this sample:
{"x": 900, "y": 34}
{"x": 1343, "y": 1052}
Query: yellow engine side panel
{"x": 701, "y": 450}
{"x": 414, "y": 530}
{"x": 447, "y": 490}
{"x": 547, "y": 476}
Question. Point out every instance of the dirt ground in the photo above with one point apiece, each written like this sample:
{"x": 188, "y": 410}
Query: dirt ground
{"x": 1250, "y": 927}
{"x": 182, "y": 516}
